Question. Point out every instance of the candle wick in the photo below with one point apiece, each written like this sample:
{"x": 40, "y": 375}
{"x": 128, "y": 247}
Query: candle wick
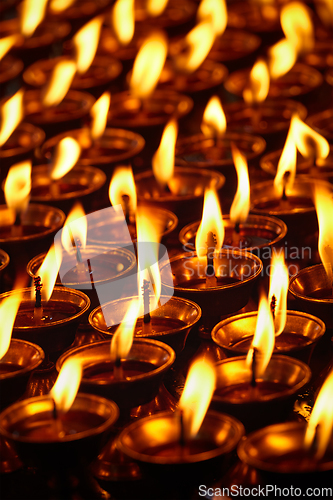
{"x": 55, "y": 410}
{"x": 17, "y": 221}
{"x": 78, "y": 251}
{"x": 210, "y": 271}
{"x": 118, "y": 369}
{"x": 285, "y": 181}
{"x": 273, "y": 305}
{"x": 91, "y": 274}
{"x": 253, "y": 378}
{"x": 182, "y": 430}
{"x": 57, "y": 422}
{"x": 126, "y": 207}
{"x": 237, "y": 227}
{"x": 146, "y": 301}
{"x": 38, "y": 296}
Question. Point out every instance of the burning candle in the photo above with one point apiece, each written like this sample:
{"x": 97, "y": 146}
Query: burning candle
{"x": 17, "y": 191}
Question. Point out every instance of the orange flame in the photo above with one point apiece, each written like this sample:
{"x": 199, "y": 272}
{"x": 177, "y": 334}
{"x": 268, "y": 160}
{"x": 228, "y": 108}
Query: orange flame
{"x": 59, "y": 83}
{"x": 321, "y": 420}
{"x": 197, "y": 394}
{"x": 164, "y": 158}
{"x": 148, "y": 65}
{"x": 297, "y": 26}
{"x": 86, "y": 42}
{"x": 7, "y": 43}
{"x": 309, "y": 143}
{"x": 156, "y": 7}
{"x": 278, "y": 288}
{"x": 122, "y": 340}
{"x": 257, "y": 89}
{"x": 57, "y": 6}
{"x": 122, "y": 184}
{"x": 211, "y": 221}
{"x": 48, "y": 272}
{"x": 287, "y": 163}
{"x": 214, "y": 11}
{"x": 99, "y": 114}
{"x": 214, "y": 122}
{"x": 324, "y": 207}
{"x": 123, "y": 20}
{"x": 67, "y": 153}
{"x": 281, "y": 58}
{"x": 33, "y": 12}
{"x": 17, "y": 186}
{"x": 240, "y": 207}
{"x": 75, "y": 228}
{"x": 198, "y": 43}
{"x": 8, "y": 310}
{"x": 264, "y": 338}
{"x": 148, "y": 232}
{"x": 67, "y": 384}
{"x": 11, "y": 115}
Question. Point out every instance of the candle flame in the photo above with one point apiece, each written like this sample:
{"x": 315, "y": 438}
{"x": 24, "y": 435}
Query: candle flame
{"x": 320, "y": 425}
{"x": 148, "y": 65}
{"x": 164, "y": 158}
{"x": 7, "y": 43}
{"x": 33, "y": 12}
{"x": 57, "y": 6}
{"x": 122, "y": 339}
{"x": 122, "y": 184}
{"x": 67, "y": 384}
{"x": 264, "y": 338}
{"x": 86, "y": 42}
{"x": 8, "y": 310}
{"x": 214, "y": 11}
{"x": 211, "y": 222}
{"x": 198, "y": 43}
{"x": 309, "y": 143}
{"x": 197, "y": 394}
{"x": 48, "y": 272}
{"x": 11, "y": 115}
{"x": 99, "y": 113}
{"x": 240, "y": 207}
{"x": 287, "y": 164}
{"x": 281, "y": 58}
{"x": 156, "y": 7}
{"x": 214, "y": 122}
{"x": 148, "y": 231}
{"x": 278, "y": 288}
{"x": 324, "y": 207}
{"x": 257, "y": 89}
{"x": 123, "y": 20}
{"x": 59, "y": 83}
{"x": 67, "y": 153}
{"x": 75, "y": 228}
{"x": 17, "y": 186}
{"x": 297, "y": 26}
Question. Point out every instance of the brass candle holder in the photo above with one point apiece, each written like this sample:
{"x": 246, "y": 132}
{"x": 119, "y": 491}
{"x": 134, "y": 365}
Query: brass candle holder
{"x": 79, "y": 11}
{"x": 16, "y": 366}
{"x": 235, "y": 47}
{"x": 298, "y": 339}
{"x": 159, "y": 454}
{"x": 299, "y": 81}
{"x": 256, "y": 235}
{"x": 236, "y": 273}
{"x": 114, "y": 146}
{"x": 55, "y": 119}
{"x": 31, "y": 427}
{"x": 256, "y": 17}
{"x": 320, "y": 56}
{"x": 61, "y": 315}
{"x": 175, "y": 14}
{"x": 107, "y": 265}
{"x": 4, "y": 261}
{"x": 261, "y": 450}
{"x": 102, "y": 233}
{"x": 186, "y": 198}
{"x": 144, "y": 369}
{"x": 10, "y": 68}
{"x": 323, "y": 123}
{"x": 312, "y": 292}
{"x": 82, "y": 182}
{"x": 100, "y": 74}
{"x": 170, "y": 323}
{"x": 272, "y": 398}
{"x": 323, "y": 169}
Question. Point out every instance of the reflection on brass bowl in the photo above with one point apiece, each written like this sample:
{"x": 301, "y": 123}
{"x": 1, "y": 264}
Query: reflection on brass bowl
{"x": 10, "y": 68}
{"x": 4, "y": 261}
{"x": 323, "y": 123}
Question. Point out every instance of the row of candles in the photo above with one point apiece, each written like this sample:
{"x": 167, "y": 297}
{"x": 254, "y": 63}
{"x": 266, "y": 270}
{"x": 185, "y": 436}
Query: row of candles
{"x": 105, "y": 258}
